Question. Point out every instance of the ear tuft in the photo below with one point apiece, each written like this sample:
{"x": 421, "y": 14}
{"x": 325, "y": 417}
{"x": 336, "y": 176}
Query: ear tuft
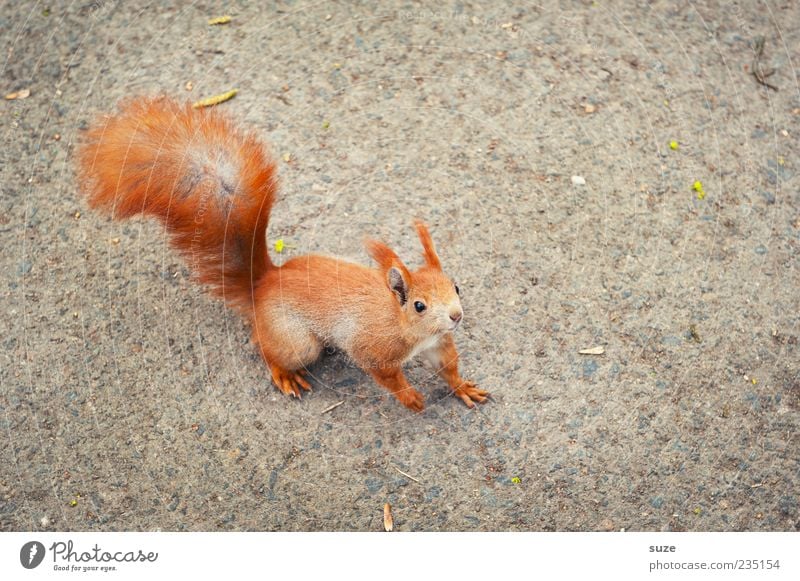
{"x": 395, "y": 272}
{"x": 428, "y": 249}
{"x": 382, "y": 254}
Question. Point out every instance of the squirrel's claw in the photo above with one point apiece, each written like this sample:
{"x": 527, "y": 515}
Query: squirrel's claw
{"x": 290, "y": 382}
{"x": 298, "y": 378}
{"x": 469, "y": 393}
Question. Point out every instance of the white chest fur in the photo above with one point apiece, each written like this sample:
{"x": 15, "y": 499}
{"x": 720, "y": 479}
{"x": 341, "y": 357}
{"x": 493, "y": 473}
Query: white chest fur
{"x": 428, "y": 343}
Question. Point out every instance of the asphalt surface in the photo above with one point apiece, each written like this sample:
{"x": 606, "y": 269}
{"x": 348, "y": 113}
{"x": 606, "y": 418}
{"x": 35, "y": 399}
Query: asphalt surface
{"x": 535, "y": 140}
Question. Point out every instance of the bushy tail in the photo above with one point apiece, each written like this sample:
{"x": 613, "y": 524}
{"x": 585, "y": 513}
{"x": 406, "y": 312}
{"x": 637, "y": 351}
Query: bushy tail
{"x": 211, "y": 184}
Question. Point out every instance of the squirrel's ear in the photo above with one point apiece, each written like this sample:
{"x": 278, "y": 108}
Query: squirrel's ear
{"x": 396, "y": 273}
{"x": 398, "y": 284}
{"x": 428, "y": 250}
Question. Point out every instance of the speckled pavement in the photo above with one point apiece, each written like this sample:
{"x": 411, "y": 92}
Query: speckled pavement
{"x": 131, "y": 400}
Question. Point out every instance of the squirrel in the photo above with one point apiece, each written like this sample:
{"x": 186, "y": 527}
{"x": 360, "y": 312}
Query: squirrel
{"x": 213, "y": 186}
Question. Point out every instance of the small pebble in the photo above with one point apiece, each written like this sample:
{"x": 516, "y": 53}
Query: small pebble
{"x": 578, "y": 181}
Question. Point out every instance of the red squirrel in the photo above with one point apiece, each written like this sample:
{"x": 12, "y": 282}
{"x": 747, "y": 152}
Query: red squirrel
{"x": 213, "y": 186}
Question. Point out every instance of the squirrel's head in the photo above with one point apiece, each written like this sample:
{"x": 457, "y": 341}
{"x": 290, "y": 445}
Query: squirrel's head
{"x": 428, "y": 298}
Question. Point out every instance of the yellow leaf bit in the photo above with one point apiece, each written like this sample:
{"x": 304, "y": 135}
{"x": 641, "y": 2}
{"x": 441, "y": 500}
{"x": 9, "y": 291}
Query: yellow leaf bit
{"x": 216, "y": 99}
{"x": 23, "y": 94}
{"x": 219, "y": 20}
{"x": 516, "y": 480}
{"x": 279, "y": 245}
{"x": 698, "y": 187}
{"x": 673, "y": 145}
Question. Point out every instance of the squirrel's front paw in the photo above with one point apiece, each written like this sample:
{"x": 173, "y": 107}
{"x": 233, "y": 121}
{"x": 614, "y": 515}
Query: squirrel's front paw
{"x": 469, "y": 393}
{"x": 289, "y": 382}
{"x": 411, "y": 398}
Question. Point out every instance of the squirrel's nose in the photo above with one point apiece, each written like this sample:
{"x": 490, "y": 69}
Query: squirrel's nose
{"x": 455, "y": 316}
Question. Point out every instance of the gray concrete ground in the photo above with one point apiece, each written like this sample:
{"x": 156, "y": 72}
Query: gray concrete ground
{"x": 130, "y": 400}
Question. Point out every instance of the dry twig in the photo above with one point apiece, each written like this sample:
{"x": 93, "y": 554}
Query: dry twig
{"x": 407, "y": 475}
{"x": 760, "y": 75}
{"x": 333, "y": 407}
{"x": 388, "y": 521}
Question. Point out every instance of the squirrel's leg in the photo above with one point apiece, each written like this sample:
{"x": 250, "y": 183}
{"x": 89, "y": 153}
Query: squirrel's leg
{"x": 392, "y": 378}
{"x": 444, "y": 359}
{"x": 287, "y": 351}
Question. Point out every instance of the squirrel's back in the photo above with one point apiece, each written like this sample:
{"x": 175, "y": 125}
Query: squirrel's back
{"x": 210, "y": 183}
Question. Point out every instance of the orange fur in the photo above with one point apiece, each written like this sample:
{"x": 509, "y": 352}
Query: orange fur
{"x": 445, "y": 359}
{"x": 213, "y": 187}
{"x": 428, "y": 249}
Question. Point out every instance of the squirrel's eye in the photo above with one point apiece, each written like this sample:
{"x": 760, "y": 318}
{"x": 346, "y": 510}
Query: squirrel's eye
{"x": 458, "y": 291}
{"x": 419, "y": 306}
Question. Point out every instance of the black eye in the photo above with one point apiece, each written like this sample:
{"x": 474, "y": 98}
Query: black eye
{"x": 419, "y": 306}
{"x": 458, "y": 291}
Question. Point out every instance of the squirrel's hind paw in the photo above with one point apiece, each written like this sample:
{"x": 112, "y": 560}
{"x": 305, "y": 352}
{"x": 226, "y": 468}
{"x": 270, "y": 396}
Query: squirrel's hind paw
{"x": 289, "y": 382}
